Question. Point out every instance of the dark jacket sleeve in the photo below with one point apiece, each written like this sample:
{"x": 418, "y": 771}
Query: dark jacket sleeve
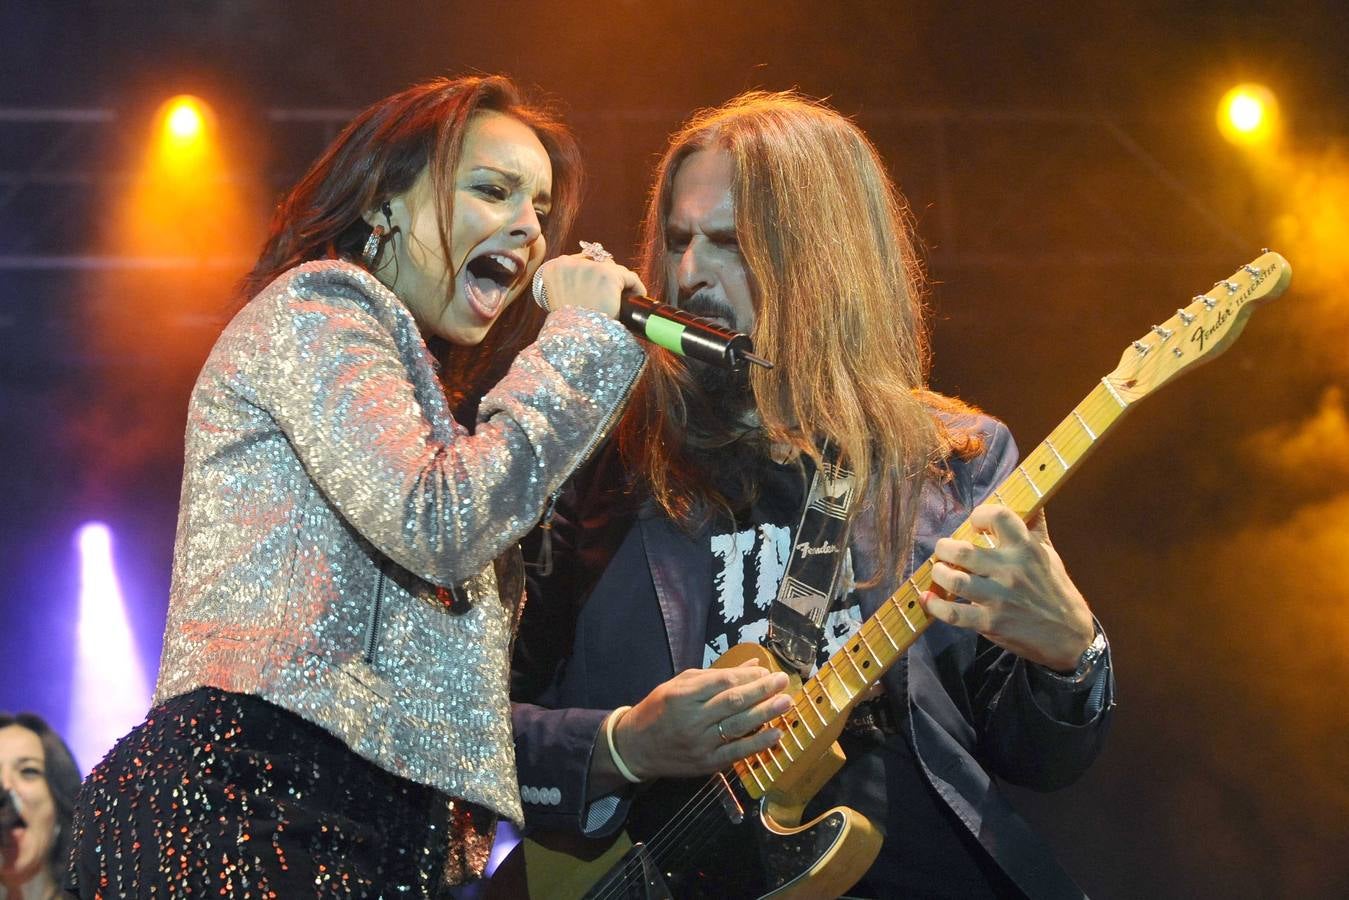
{"x": 554, "y": 739}
{"x": 1026, "y": 732}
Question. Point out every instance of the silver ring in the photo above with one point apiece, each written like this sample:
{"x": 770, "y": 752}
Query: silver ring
{"x": 594, "y": 250}
{"x": 540, "y": 291}
{"x": 721, "y": 734}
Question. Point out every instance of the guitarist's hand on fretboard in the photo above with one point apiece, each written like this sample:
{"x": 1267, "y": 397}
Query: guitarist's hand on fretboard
{"x": 1018, "y": 593}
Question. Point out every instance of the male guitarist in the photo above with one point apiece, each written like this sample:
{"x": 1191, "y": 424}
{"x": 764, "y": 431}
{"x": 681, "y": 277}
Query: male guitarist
{"x": 773, "y": 215}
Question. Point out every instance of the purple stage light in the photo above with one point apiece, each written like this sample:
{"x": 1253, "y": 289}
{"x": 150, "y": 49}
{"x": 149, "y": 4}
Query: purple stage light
{"x": 110, "y": 694}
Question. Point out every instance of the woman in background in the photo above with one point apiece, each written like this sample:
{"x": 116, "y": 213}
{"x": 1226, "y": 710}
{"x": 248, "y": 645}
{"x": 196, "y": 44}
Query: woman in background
{"x": 39, "y": 779}
{"x": 332, "y": 713}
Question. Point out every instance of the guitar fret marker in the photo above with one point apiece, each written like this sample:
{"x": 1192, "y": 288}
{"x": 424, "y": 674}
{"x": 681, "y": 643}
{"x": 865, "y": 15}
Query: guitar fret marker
{"x": 804, "y": 724}
{"x": 905, "y": 617}
{"x": 848, "y": 656}
{"x": 1085, "y": 427}
{"x": 861, "y": 636}
{"x": 1055, "y": 450}
{"x": 790, "y": 730}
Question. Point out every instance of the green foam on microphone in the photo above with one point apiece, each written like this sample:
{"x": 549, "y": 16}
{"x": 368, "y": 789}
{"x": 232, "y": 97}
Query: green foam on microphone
{"x": 665, "y": 333}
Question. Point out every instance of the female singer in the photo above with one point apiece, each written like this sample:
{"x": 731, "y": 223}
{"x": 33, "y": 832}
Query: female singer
{"x": 370, "y": 436}
{"x": 39, "y": 778}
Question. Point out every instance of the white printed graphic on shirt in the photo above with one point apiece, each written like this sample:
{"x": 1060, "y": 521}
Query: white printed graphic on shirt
{"x": 756, "y": 558}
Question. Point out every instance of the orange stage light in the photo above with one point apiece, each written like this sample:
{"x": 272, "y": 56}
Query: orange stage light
{"x": 1248, "y": 114}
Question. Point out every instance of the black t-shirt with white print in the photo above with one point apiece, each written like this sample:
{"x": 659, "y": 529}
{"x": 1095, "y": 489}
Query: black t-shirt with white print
{"x": 749, "y": 560}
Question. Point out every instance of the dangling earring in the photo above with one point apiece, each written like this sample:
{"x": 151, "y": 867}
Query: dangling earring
{"x": 370, "y": 252}
{"x": 378, "y": 235}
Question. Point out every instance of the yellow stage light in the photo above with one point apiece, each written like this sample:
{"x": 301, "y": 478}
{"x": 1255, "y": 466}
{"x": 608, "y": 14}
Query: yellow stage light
{"x": 184, "y": 132}
{"x": 1248, "y": 114}
{"x": 184, "y": 120}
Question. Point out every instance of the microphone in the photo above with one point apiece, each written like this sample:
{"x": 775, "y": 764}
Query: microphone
{"x": 688, "y": 335}
{"x": 11, "y": 811}
{"x": 683, "y": 334}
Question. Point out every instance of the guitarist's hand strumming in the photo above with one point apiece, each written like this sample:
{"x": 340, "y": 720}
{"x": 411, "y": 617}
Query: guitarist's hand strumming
{"x": 673, "y": 732}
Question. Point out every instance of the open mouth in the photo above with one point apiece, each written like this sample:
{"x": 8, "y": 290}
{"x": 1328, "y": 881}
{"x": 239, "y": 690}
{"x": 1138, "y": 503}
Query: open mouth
{"x": 488, "y": 280}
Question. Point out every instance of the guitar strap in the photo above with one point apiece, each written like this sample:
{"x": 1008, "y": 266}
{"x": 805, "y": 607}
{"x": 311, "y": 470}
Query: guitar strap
{"x": 796, "y": 619}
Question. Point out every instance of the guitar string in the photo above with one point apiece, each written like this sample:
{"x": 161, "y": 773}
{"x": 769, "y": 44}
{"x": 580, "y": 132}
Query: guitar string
{"x": 1071, "y": 444}
{"x": 668, "y": 835}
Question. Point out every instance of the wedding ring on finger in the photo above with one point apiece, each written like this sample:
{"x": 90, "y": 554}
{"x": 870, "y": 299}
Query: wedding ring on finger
{"x": 722, "y": 735}
{"x": 540, "y": 291}
{"x": 594, "y": 251}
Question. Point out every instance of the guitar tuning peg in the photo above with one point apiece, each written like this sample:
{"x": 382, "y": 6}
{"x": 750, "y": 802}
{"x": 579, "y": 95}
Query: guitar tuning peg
{"x": 1253, "y": 271}
{"x": 1208, "y": 301}
{"x": 1230, "y": 285}
{"x": 1142, "y": 348}
{"x": 1163, "y": 333}
{"x": 1185, "y": 317}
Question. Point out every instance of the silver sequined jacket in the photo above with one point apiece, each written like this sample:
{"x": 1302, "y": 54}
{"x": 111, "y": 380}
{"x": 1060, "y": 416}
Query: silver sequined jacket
{"x": 338, "y": 529}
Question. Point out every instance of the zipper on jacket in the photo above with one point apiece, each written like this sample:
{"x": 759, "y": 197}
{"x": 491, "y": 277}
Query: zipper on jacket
{"x": 372, "y": 627}
{"x": 544, "y": 563}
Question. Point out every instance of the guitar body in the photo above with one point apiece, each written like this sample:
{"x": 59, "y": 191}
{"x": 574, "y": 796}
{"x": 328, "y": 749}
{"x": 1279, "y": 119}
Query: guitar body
{"x": 718, "y": 854}
{"x": 725, "y": 844}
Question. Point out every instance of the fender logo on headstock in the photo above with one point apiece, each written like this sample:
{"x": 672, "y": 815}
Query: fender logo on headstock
{"x": 1202, "y": 334}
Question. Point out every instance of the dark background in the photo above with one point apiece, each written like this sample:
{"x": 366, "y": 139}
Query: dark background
{"x": 1070, "y": 188}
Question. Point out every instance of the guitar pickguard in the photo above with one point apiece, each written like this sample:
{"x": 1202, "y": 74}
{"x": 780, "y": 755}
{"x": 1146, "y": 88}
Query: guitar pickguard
{"x": 705, "y": 852}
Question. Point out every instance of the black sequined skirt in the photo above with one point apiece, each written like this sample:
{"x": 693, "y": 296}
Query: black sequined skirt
{"x": 226, "y": 795}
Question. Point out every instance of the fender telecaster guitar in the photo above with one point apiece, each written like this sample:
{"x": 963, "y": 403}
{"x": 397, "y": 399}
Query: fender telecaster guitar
{"x": 740, "y": 834}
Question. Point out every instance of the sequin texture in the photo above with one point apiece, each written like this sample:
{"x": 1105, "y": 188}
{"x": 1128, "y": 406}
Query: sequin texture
{"x": 222, "y": 794}
{"x": 330, "y": 502}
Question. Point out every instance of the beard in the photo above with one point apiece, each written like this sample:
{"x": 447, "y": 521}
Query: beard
{"x": 720, "y": 397}
{"x": 724, "y": 439}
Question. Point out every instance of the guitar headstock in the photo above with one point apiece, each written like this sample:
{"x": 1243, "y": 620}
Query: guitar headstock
{"x": 1200, "y": 331}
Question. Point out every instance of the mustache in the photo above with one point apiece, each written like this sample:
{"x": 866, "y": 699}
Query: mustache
{"x": 705, "y": 305}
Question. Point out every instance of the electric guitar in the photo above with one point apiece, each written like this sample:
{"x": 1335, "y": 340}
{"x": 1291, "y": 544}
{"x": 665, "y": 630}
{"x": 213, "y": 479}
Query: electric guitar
{"x": 740, "y": 833}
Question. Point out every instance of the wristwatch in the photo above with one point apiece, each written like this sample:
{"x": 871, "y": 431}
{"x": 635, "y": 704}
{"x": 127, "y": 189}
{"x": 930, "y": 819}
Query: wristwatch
{"x": 1086, "y": 663}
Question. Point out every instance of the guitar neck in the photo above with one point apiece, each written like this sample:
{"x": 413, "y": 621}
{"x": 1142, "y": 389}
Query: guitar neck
{"x": 826, "y": 699}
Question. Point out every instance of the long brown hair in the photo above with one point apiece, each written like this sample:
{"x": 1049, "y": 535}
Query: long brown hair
{"x": 380, "y": 154}
{"x": 839, "y": 308}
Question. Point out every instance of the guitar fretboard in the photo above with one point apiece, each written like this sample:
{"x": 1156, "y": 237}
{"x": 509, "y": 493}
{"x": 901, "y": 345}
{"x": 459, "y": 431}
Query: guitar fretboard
{"x": 825, "y": 700}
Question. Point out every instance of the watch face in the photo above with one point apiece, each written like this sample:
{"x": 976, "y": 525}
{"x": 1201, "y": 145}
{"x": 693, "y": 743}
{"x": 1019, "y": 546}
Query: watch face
{"x": 1090, "y": 655}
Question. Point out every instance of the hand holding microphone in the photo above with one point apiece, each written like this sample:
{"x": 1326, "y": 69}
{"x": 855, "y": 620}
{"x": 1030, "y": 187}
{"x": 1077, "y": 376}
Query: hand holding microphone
{"x": 679, "y": 332}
